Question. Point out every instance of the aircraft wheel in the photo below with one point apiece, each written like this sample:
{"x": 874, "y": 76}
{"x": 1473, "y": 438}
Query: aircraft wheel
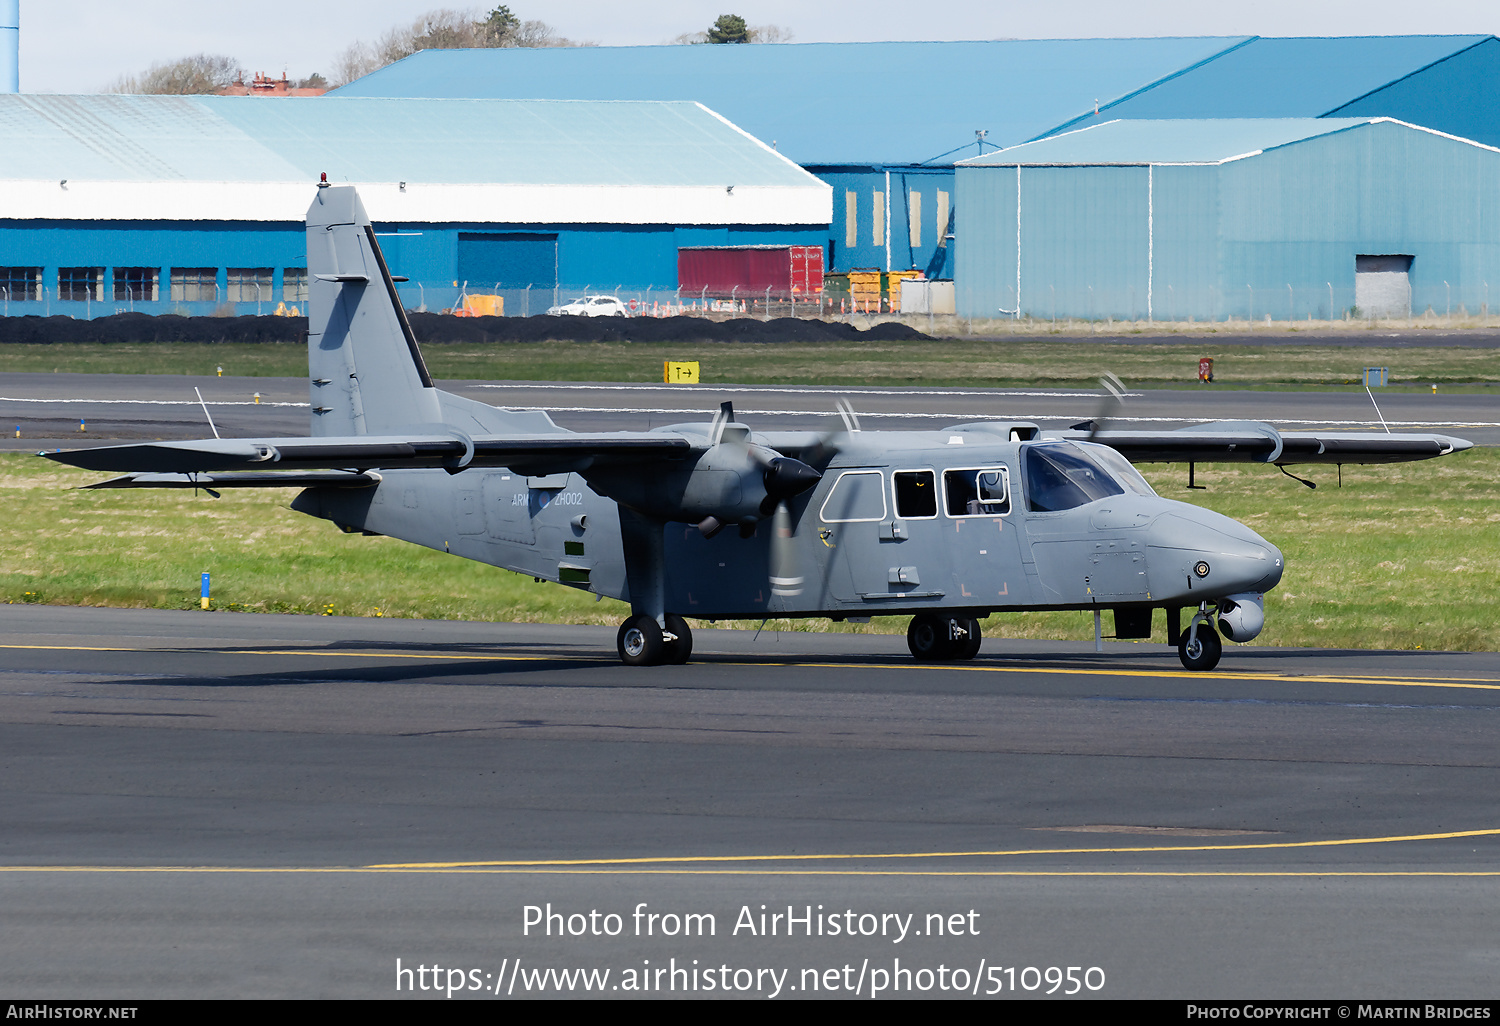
{"x": 640, "y": 642}
{"x": 677, "y": 652}
{"x": 968, "y": 648}
{"x": 1203, "y": 652}
{"x": 927, "y": 637}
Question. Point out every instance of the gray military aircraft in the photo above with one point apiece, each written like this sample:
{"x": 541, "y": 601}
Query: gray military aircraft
{"x": 945, "y": 526}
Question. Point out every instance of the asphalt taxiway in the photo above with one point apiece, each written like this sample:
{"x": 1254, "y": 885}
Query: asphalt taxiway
{"x": 227, "y": 805}
{"x": 48, "y": 408}
{"x": 212, "y": 804}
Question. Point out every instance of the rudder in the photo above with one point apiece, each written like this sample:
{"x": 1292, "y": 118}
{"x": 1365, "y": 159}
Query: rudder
{"x": 366, "y": 373}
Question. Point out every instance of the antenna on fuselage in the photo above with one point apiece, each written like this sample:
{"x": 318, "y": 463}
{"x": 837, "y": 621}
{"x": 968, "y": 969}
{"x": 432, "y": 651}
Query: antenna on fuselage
{"x": 210, "y": 416}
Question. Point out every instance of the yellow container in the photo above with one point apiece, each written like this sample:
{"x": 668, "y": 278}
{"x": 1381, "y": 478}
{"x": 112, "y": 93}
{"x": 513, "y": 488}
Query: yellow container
{"x": 484, "y": 306}
{"x": 896, "y": 278}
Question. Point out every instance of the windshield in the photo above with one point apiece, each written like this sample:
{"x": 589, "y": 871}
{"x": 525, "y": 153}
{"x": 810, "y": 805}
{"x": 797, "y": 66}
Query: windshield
{"x": 1118, "y": 465}
{"x": 1061, "y": 476}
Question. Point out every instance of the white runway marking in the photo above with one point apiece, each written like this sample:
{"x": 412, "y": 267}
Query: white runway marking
{"x": 150, "y": 402}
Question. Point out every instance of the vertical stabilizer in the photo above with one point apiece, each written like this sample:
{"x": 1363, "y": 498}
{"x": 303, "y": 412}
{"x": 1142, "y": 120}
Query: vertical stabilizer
{"x": 367, "y": 374}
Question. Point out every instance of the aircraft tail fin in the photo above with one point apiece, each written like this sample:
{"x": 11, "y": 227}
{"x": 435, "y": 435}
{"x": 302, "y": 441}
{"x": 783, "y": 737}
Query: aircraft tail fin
{"x": 367, "y": 374}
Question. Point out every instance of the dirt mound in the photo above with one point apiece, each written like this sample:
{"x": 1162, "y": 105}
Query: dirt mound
{"x": 139, "y": 327}
{"x": 445, "y": 328}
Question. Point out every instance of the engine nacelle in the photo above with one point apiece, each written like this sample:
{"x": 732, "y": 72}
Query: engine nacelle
{"x": 728, "y": 484}
{"x": 1241, "y": 617}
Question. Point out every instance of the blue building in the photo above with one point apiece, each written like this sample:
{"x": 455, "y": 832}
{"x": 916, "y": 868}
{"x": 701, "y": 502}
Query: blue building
{"x": 883, "y": 123}
{"x": 196, "y": 204}
{"x": 1282, "y": 218}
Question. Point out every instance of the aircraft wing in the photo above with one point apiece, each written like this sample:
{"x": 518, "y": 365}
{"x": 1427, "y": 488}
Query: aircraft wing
{"x": 245, "y": 479}
{"x": 1243, "y": 441}
{"x": 539, "y": 454}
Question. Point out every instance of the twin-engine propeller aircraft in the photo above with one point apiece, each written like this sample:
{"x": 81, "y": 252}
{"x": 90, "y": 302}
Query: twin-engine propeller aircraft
{"x": 716, "y": 521}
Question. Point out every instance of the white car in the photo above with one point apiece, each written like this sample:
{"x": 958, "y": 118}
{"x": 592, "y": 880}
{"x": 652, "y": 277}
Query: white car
{"x": 591, "y": 306}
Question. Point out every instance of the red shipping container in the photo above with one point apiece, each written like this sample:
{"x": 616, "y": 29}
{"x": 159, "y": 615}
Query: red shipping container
{"x": 750, "y": 270}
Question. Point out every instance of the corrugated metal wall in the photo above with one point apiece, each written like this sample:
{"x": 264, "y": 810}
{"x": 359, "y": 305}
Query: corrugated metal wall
{"x": 916, "y": 198}
{"x": 1272, "y": 235}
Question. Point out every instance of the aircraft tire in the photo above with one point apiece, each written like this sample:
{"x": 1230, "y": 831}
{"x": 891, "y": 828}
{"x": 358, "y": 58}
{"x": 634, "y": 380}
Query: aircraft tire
{"x": 969, "y": 647}
{"x": 1205, "y": 653}
{"x": 677, "y": 652}
{"x": 640, "y": 642}
{"x": 927, "y": 638}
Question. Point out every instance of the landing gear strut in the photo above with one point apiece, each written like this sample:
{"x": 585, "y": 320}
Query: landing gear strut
{"x": 935, "y": 639}
{"x": 1199, "y": 646}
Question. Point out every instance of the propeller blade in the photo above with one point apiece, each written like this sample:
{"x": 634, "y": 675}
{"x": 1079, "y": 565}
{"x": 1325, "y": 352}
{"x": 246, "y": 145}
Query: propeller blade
{"x": 1109, "y": 403}
{"x": 828, "y": 443}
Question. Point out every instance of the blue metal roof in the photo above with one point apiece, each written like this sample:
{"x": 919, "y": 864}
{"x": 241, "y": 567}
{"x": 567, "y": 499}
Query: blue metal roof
{"x": 828, "y": 103}
{"x": 1286, "y": 78}
{"x": 1166, "y": 142}
{"x": 252, "y": 139}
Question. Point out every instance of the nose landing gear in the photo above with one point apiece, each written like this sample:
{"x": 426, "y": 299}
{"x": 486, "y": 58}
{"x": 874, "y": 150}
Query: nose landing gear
{"x": 1199, "y": 646}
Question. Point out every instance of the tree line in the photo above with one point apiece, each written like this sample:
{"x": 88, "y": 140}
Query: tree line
{"x": 443, "y": 29}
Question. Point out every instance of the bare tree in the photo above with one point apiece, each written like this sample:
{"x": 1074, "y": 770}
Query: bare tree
{"x": 202, "y": 73}
{"x": 770, "y": 34}
{"x": 445, "y": 29}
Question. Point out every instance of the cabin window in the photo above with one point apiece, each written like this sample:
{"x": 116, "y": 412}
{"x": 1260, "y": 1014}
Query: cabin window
{"x": 916, "y": 494}
{"x": 1061, "y": 476}
{"x": 977, "y": 492}
{"x": 857, "y": 496}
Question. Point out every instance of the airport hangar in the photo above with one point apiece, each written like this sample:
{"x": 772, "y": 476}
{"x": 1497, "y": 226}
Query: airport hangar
{"x": 195, "y": 204}
{"x": 1286, "y": 219}
{"x": 884, "y": 123}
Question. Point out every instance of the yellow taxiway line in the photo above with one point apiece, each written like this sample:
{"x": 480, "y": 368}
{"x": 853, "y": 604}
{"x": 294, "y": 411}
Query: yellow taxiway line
{"x": 747, "y": 863}
{"x": 1479, "y": 683}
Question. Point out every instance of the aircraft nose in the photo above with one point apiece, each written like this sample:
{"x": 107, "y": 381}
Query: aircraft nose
{"x": 1204, "y": 553}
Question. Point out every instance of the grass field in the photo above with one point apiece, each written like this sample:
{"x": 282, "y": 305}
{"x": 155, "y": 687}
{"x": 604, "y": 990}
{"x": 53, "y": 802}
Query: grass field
{"x": 1400, "y": 557}
{"x": 1001, "y": 363}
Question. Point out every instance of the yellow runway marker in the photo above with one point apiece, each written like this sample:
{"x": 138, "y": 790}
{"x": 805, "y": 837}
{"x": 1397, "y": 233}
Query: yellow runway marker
{"x": 542, "y": 871}
{"x": 689, "y": 859}
{"x": 1470, "y": 683}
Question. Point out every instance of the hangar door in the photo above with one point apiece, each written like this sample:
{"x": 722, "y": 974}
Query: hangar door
{"x": 509, "y": 260}
{"x": 1382, "y": 285}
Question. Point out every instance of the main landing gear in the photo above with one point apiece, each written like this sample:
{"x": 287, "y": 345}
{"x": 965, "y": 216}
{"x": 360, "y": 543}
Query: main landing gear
{"x": 941, "y": 639}
{"x": 642, "y": 642}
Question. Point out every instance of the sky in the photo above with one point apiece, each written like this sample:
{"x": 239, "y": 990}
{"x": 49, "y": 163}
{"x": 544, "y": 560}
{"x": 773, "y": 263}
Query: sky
{"x": 80, "y": 46}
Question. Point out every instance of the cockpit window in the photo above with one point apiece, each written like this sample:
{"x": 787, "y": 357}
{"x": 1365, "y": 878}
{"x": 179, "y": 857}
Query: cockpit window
{"x": 1062, "y": 476}
{"x": 1118, "y": 465}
